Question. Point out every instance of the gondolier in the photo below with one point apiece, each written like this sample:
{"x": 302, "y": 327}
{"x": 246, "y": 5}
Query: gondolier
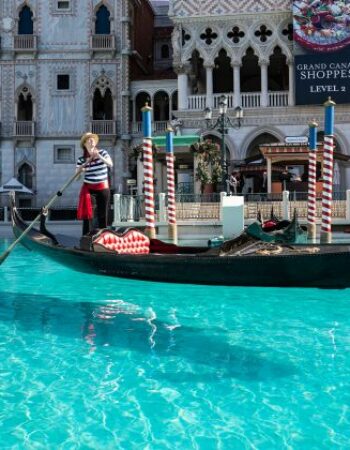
{"x": 95, "y": 182}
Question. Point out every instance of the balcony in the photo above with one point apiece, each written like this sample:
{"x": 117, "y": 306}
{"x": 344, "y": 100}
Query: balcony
{"x": 159, "y": 127}
{"x": 25, "y": 43}
{"x": 247, "y": 100}
{"x": 102, "y": 43}
{"x": 24, "y": 129}
{"x": 104, "y": 128}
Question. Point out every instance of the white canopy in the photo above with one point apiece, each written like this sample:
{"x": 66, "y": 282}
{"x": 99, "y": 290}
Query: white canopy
{"x": 14, "y": 185}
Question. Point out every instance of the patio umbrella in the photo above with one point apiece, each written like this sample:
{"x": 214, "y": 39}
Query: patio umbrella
{"x": 14, "y": 185}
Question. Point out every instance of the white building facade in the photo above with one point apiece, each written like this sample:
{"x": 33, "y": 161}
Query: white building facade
{"x": 64, "y": 70}
{"x": 243, "y": 49}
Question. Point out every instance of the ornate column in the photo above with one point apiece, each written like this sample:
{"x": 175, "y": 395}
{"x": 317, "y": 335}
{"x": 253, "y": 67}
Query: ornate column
{"x": 236, "y": 84}
{"x": 182, "y": 87}
{"x": 264, "y": 83}
{"x": 291, "y": 94}
{"x": 209, "y": 80}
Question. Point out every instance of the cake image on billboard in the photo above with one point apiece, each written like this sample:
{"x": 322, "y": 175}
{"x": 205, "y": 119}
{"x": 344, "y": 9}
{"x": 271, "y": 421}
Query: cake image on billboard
{"x": 322, "y": 26}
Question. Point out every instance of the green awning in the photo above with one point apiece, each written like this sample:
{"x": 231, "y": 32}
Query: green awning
{"x": 179, "y": 141}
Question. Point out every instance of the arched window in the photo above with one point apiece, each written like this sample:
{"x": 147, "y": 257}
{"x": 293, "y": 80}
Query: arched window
{"x": 25, "y": 175}
{"x": 222, "y": 73}
{"x": 25, "y": 105}
{"x": 161, "y": 106}
{"x": 102, "y": 101}
{"x": 141, "y": 99}
{"x": 102, "y": 25}
{"x": 102, "y": 108}
{"x": 25, "y": 22}
{"x": 164, "y": 51}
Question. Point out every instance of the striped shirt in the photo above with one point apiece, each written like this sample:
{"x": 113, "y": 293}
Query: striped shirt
{"x": 96, "y": 171}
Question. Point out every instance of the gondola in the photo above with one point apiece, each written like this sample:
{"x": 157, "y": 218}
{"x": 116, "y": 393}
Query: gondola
{"x": 244, "y": 261}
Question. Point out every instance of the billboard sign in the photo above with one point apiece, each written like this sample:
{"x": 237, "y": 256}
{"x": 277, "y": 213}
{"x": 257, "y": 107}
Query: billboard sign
{"x": 322, "y": 26}
{"x": 321, "y": 31}
{"x": 318, "y": 77}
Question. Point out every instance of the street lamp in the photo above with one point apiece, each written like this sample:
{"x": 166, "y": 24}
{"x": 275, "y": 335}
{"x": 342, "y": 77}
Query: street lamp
{"x": 222, "y": 123}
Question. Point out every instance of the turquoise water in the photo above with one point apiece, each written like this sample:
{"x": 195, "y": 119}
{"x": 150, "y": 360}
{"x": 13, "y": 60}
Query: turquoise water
{"x": 91, "y": 362}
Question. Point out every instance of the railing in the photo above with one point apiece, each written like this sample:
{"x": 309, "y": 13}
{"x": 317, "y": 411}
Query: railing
{"x": 100, "y": 42}
{"x": 251, "y": 100}
{"x": 130, "y": 208}
{"x": 159, "y": 127}
{"x": 104, "y": 127}
{"x": 25, "y": 42}
{"x": 208, "y": 207}
{"x": 278, "y": 98}
{"x": 24, "y": 128}
{"x": 197, "y": 102}
{"x": 248, "y": 100}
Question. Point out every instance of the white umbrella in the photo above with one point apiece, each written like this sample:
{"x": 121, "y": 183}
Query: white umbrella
{"x": 14, "y": 185}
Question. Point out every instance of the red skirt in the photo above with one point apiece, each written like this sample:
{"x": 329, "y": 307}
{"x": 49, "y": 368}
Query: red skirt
{"x": 85, "y": 204}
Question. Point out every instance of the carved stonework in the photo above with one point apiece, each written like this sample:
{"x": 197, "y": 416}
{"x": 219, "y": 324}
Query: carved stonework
{"x": 234, "y": 35}
{"x": 183, "y": 8}
{"x": 24, "y": 154}
{"x": 7, "y": 100}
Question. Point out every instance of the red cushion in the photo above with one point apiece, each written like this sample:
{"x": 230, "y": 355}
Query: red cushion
{"x": 132, "y": 242}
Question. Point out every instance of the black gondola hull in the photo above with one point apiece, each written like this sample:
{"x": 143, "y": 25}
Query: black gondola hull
{"x": 329, "y": 268}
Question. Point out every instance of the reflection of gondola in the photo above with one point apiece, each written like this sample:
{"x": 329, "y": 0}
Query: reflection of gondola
{"x": 245, "y": 261}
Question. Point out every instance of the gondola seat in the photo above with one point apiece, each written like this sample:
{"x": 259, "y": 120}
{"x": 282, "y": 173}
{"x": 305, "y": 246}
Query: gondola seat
{"x": 130, "y": 241}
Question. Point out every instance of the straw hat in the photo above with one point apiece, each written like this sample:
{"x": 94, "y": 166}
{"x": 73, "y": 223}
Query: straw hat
{"x": 86, "y": 136}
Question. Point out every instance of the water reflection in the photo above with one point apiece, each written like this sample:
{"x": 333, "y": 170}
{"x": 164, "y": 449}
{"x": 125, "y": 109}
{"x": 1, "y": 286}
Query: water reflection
{"x": 116, "y": 324}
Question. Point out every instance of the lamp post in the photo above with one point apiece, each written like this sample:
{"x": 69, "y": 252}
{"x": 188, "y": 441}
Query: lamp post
{"x": 222, "y": 123}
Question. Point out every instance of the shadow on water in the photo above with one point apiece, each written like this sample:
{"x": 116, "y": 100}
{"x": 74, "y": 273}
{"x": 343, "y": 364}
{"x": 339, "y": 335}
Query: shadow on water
{"x": 118, "y": 324}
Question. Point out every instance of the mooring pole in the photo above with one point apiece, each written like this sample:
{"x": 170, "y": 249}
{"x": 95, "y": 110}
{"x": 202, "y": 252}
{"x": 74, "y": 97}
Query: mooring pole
{"x": 172, "y": 225}
{"x": 327, "y": 174}
{"x": 148, "y": 172}
{"x": 311, "y": 204}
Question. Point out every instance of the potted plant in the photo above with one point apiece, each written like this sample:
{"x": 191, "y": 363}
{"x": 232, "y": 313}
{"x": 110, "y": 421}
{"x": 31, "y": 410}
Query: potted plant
{"x": 209, "y": 170}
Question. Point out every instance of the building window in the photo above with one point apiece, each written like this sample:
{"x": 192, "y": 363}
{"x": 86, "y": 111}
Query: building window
{"x": 25, "y": 21}
{"x": 164, "y": 51}
{"x": 64, "y": 154}
{"x": 63, "y": 83}
{"x": 102, "y": 24}
{"x": 63, "y": 5}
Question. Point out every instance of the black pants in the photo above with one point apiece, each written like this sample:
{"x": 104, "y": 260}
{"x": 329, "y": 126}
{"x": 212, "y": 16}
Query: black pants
{"x": 102, "y": 205}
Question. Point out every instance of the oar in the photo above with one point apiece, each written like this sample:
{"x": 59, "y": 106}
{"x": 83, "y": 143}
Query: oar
{"x": 51, "y": 201}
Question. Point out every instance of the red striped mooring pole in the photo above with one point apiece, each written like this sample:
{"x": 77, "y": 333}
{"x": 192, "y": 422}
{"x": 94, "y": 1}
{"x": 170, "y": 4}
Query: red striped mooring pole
{"x": 172, "y": 226}
{"x": 311, "y": 203}
{"x": 148, "y": 172}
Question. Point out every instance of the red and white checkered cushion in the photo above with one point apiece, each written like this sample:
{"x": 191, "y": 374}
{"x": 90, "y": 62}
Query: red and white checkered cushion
{"x": 132, "y": 242}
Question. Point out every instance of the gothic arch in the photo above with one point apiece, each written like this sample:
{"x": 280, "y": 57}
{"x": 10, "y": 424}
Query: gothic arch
{"x": 103, "y": 21}
{"x": 109, "y": 8}
{"x": 274, "y": 132}
{"x": 26, "y": 89}
{"x": 187, "y": 55}
{"x": 25, "y": 103}
{"x": 243, "y": 50}
{"x": 102, "y": 99}
{"x": 278, "y": 43}
{"x": 231, "y": 150}
{"x": 140, "y": 100}
{"x": 25, "y": 173}
{"x": 161, "y": 100}
{"x": 25, "y": 6}
{"x": 102, "y": 83}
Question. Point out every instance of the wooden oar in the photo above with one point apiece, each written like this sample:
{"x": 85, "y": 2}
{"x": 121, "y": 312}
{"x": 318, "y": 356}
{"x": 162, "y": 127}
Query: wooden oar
{"x": 51, "y": 201}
